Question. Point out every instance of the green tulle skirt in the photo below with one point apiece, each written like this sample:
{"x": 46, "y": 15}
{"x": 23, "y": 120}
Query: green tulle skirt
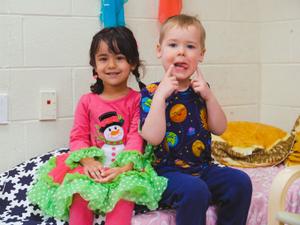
{"x": 62, "y": 176}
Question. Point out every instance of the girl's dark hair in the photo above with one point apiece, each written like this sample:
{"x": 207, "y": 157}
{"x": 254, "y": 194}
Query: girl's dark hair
{"x": 120, "y": 40}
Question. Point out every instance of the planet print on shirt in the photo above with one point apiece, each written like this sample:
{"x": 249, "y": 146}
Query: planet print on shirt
{"x": 191, "y": 131}
{"x": 151, "y": 88}
{"x": 181, "y": 163}
{"x": 197, "y": 148}
{"x": 171, "y": 139}
{"x": 178, "y": 113}
{"x": 146, "y": 103}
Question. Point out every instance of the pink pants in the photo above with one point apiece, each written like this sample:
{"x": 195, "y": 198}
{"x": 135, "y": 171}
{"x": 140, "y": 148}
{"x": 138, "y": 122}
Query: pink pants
{"x": 80, "y": 214}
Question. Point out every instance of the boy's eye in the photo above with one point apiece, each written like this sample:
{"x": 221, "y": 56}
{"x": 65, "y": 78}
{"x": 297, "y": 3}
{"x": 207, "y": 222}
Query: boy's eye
{"x": 190, "y": 46}
{"x": 172, "y": 45}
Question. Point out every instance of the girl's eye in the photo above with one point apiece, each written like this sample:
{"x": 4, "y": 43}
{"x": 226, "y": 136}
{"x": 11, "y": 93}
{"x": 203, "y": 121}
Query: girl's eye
{"x": 120, "y": 57}
{"x": 102, "y": 59}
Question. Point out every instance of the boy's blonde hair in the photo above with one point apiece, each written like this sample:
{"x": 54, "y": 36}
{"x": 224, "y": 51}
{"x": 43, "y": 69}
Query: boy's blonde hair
{"x": 182, "y": 21}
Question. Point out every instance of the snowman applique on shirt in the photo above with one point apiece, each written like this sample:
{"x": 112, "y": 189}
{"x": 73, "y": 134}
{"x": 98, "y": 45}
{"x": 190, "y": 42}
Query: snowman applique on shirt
{"x": 112, "y": 133}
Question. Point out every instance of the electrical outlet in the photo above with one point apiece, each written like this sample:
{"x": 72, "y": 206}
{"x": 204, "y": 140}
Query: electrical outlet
{"x": 3, "y": 108}
{"x": 48, "y": 105}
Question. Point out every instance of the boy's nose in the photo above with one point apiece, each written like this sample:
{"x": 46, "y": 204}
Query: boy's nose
{"x": 181, "y": 50}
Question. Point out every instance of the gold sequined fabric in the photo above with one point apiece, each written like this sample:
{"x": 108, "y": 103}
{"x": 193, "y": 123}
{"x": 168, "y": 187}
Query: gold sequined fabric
{"x": 294, "y": 156}
{"x": 250, "y": 144}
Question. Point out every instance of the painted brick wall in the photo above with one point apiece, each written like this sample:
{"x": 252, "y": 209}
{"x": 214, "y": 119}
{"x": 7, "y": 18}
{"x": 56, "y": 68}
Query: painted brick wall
{"x": 280, "y": 62}
{"x": 44, "y": 45}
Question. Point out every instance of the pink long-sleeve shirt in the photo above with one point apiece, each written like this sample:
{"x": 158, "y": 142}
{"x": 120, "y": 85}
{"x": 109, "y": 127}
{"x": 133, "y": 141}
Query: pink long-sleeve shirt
{"x": 87, "y": 123}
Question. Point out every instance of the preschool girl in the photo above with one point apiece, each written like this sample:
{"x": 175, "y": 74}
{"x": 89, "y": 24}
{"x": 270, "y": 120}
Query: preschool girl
{"x": 105, "y": 171}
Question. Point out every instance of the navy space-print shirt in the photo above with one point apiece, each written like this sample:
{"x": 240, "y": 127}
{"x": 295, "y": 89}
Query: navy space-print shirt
{"x": 187, "y": 143}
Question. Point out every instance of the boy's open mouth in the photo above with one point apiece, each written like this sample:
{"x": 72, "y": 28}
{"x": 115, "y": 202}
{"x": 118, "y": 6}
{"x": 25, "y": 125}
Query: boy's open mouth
{"x": 181, "y": 65}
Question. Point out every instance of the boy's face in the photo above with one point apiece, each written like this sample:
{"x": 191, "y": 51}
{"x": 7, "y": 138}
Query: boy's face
{"x": 181, "y": 47}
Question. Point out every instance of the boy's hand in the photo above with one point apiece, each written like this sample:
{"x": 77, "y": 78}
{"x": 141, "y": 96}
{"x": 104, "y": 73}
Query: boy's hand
{"x": 200, "y": 86}
{"x": 92, "y": 168}
{"x": 168, "y": 84}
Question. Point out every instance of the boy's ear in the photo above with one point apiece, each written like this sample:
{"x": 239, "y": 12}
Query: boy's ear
{"x": 158, "y": 50}
{"x": 201, "y": 56}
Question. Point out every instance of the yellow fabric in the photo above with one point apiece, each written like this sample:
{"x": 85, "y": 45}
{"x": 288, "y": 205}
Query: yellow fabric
{"x": 246, "y": 134}
{"x": 250, "y": 144}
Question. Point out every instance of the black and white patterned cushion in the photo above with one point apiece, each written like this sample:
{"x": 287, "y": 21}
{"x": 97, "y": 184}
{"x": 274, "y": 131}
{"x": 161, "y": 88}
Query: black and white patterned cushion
{"x": 15, "y": 209}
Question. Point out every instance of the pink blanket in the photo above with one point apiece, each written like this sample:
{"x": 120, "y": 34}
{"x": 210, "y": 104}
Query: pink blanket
{"x": 258, "y": 212}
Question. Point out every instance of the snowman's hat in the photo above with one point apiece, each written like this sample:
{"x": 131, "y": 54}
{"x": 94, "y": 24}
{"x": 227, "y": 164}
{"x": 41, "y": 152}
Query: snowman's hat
{"x": 108, "y": 119}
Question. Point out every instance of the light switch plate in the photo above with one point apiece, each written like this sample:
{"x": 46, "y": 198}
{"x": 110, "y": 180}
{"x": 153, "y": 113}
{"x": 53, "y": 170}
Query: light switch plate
{"x": 48, "y": 105}
{"x": 3, "y": 108}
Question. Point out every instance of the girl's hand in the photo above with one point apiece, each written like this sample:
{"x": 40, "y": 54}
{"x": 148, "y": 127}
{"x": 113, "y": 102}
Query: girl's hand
{"x": 200, "y": 86}
{"x": 109, "y": 174}
{"x": 168, "y": 84}
{"x": 92, "y": 168}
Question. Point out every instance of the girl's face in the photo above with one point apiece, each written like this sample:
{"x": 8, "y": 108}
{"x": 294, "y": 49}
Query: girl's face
{"x": 112, "y": 69}
{"x": 181, "y": 47}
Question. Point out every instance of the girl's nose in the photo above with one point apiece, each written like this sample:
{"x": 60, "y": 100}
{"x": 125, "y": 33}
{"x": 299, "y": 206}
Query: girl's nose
{"x": 111, "y": 63}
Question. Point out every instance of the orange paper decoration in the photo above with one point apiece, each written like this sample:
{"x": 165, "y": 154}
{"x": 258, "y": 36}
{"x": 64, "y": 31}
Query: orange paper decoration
{"x": 168, "y": 8}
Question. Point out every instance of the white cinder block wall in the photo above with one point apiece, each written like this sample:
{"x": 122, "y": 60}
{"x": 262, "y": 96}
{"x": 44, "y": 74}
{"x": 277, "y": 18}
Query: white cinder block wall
{"x": 280, "y": 61}
{"x": 44, "y": 46}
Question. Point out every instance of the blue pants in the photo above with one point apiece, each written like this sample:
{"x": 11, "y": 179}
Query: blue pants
{"x": 228, "y": 188}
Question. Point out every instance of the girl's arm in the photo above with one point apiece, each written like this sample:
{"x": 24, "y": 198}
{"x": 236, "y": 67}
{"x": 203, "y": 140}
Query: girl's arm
{"x": 80, "y": 133}
{"x": 80, "y": 138}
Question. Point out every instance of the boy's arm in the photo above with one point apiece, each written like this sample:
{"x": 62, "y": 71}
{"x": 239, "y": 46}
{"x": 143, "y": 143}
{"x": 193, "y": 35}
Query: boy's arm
{"x": 154, "y": 125}
{"x": 216, "y": 118}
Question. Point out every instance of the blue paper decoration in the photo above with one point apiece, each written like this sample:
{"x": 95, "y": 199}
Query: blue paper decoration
{"x": 112, "y": 13}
